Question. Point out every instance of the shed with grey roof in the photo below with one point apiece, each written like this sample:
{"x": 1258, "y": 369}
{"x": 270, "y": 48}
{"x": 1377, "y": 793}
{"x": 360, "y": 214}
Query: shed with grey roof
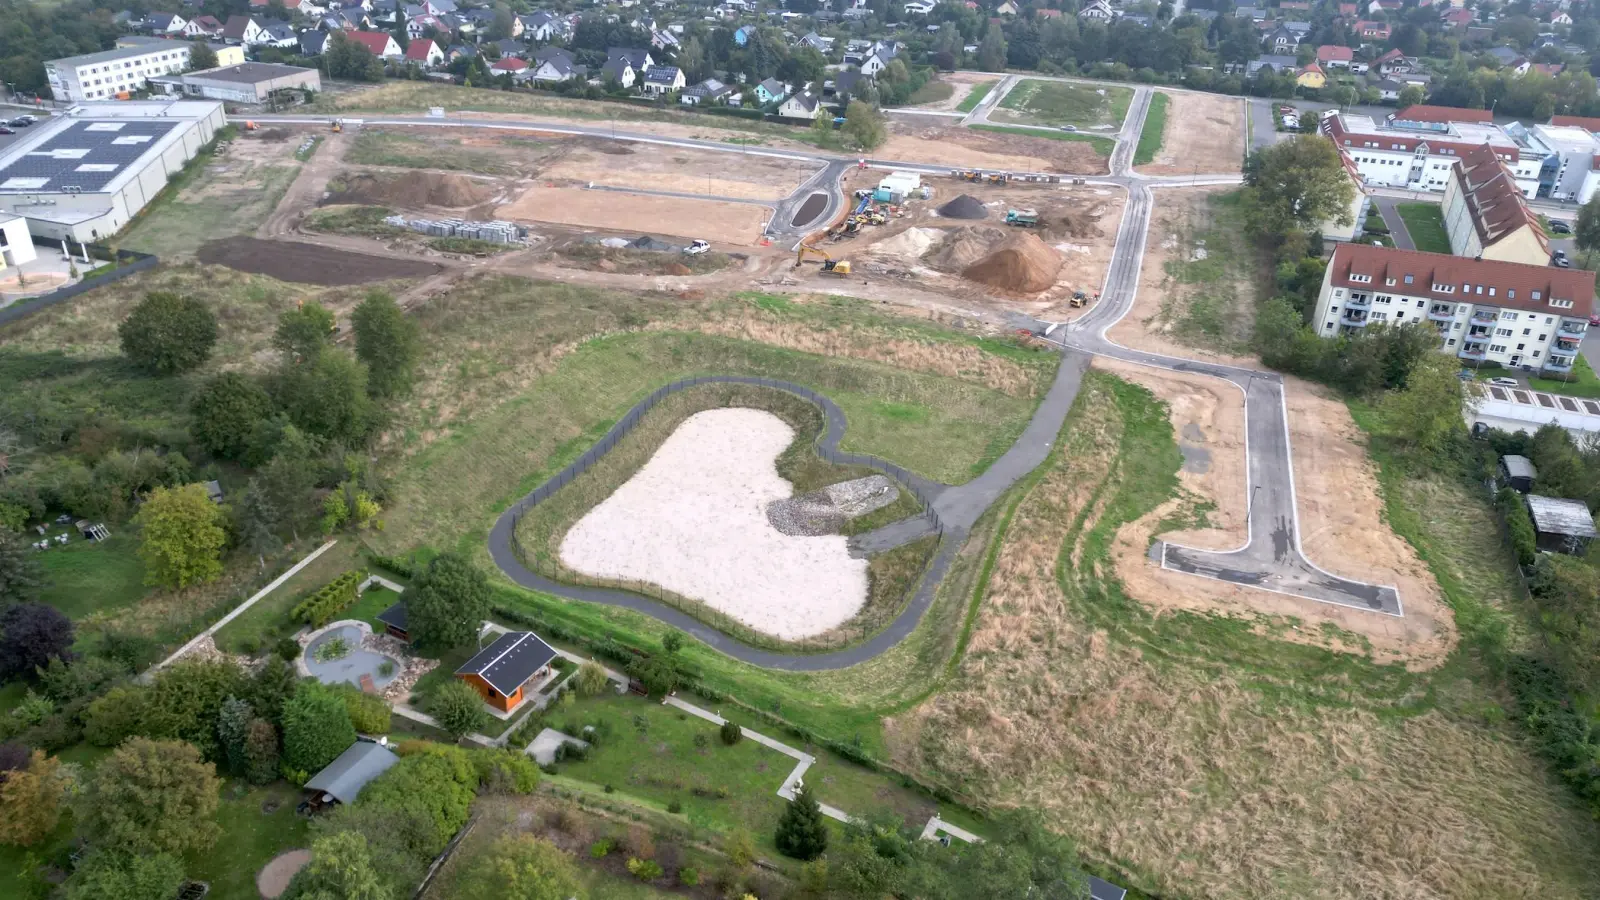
{"x": 1561, "y": 526}
{"x": 344, "y": 778}
{"x": 1518, "y": 472}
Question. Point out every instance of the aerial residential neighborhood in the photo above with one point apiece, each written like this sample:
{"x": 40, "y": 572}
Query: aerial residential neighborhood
{"x": 799, "y": 449}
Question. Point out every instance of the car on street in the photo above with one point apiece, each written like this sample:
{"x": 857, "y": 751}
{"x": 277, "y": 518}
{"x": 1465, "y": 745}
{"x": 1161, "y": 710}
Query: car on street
{"x": 1505, "y": 382}
{"x": 1069, "y": 128}
{"x": 1559, "y": 260}
{"x": 697, "y": 247}
{"x": 1559, "y": 227}
{"x": 6, "y": 130}
{"x": 22, "y": 121}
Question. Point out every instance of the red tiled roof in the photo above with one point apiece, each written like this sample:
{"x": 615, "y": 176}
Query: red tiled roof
{"x": 1458, "y": 17}
{"x": 1514, "y": 284}
{"x": 1495, "y": 203}
{"x": 1349, "y": 141}
{"x": 1335, "y": 53}
{"x": 1442, "y": 114}
{"x": 1583, "y": 122}
{"x": 418, "y": 51}
{"x": 376, "y": 41}
{"x": 509, "y": 64}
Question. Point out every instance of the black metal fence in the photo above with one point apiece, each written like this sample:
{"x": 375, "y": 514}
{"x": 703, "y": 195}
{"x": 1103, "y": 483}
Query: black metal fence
{"x": 833, "y": 427}
{"x": 128, "y": 263}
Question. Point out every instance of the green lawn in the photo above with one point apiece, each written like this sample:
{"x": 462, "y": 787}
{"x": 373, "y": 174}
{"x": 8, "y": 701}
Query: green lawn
{"x": 1036, "y": 102}
{"x": 387, "y": 148}
{"x": 1155, "y": 124}
{"x": 1583, "y": 382}
{"x": 373, "y": 600}
{"x": 268, "y": 619}
{"x": 90, "y": 576}
{"x": 932, "y": 91}
{"x": 975, "y": 96}
{"x": 221, "y": 198}
{"x": 1425, "y": 224}
{"x": 250, "y": 838}
{"x": 1103, "y": 145}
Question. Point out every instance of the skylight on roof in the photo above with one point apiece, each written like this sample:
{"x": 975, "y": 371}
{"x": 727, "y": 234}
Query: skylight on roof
{"x": 23, "y": 184}
{"x": 103, "y": 126}
{"x": 96, "y": 167}
{"x": 130, "y": 139}
{"x": 62, "y": 153}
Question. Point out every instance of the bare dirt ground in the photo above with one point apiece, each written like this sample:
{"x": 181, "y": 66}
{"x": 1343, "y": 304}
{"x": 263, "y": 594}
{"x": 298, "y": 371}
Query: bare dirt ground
{"x": 621, "y": 164}
{"x": 1204, "y": 134}
{"x": 729, "y": 223}
{"x": 309, "y": 263}
{"x": 921, "y": 141}
{"x": 963, "y": 83}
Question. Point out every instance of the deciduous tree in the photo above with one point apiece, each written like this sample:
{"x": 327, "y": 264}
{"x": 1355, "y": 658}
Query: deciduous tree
{"x": 168, "y": 333}
{"x": 328, "y": 397}
{"x": 201, "y": 56}
{"x": 388, "y": 342}
{"x": 591, "y": 678}
{"x": 864, "y": 124}
{"x": 233, "y": 733}
{"x": 30, "y": 801}
{"x": 186, "y": 701}
{"x": 458, "y": 708}
{"x": 261, "y": 752}
{"x": 521, "y": 867}
{"x": 1294, "y": 185}
{"x": 1427, "y": 411}
{"x": 316, "y": 728}
{"x": 151, "y": 797}
{"x": 304, "y": 332}
{"x": 1586, "y": 231}
{"x": 447, "y": 603}
{"x": 182, "y": 534}
{"x": 117, "y": 875}
{"x": 32, "y": 634}
{"x": 431, "y": 786}
{"x": 802, "y": 834}
{"x": 340, "y": 869}
{"x": 227, "y": 412}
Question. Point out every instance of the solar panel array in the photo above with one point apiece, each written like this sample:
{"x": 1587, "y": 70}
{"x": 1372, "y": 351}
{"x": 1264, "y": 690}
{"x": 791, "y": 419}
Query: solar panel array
{"x": 83, "y": 157}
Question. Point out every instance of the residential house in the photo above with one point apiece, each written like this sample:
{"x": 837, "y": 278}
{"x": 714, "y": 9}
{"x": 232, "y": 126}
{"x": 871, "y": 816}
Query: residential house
{"x": 660, "y": 80}
{"x": 771, "y": 91}
{"x": 380, "y": 43}
{"x": 1253, "y": 13}
{"x": 346, "y": 20}
{"x": 511, "y": 47}
{"x": 1456, "y": 20}
{"x": 1486, "y": 215}
{"x": 457, "y": 51}
{"x": 1006, "y": 8}
{"x": 1560, "y": 17}
{"x": 844, "y": 83}
{"x": 620, "y": 69}
{"x": 542, "y": 26}
{"x": 817, "y": 42}
{"x": 1096, "y": 11}
{"x": 1348, "y": 10}
{"x": 1279, "y": 64}
{"x": 1311, "y": 77}
{"x": 1389, "y": 89}
{"x": 743, "y": 34}
{"x": 307, "y": 7}
{"x": 1333, "y": 56}
{"x": 277, "y": 34}
{"x": 664, "y": 40}
{"x": 313, "y": 43}
{"x": 801, "y": 105}
{"x": 919, "y": 7}
{"x": 639, "y": 59}
{"x": 1281, "y": 40}
{"x": 1504, "y": 55}
{"x": 500, "y": 671}
{"x": 1368, "y": 30}
{"x": 510, "y": 65}
{"x": 1394, "y": 62}
{"x": 554, "y": 64}
{"x": 1484, "y": 310}
{"x": 1560, "y": 526}
{"x": 706, "y": 92}
{"x": 425, "y": 53}
{"x": 164, "y": 23}
{"x": 242, "y": 30}
{"x": 203, "y": 26}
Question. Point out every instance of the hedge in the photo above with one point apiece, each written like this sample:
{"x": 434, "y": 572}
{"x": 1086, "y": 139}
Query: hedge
{"x": 1519, "y": 526}
{"x": 334, "y": 597}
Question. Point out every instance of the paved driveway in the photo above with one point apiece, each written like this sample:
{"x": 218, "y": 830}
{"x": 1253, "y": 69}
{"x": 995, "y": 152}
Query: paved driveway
{"x": 1386, "y": 207}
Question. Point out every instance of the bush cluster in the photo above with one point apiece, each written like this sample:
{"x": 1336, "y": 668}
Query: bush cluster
{"x": 1519, "y": 526}
{"x": 1565, "y": 735}
{"x": 334, "y": 597}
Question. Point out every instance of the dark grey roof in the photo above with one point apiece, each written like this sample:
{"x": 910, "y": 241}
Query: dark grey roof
{"x": 349, "y": 773}
{"x": 661, "y": 74}
{"x": 86, "y": 155}
{"x": 1519, "y": 466}
{"x": 394, "y": 615}
{"x": 1552, "y": 515}
{"x": 774, "y": 87}
{"x": 633, "y": 55}
{"x": 1100, "y": 889}
{"x": 510, "y": 660}
{"x": 313, "y": 42}
{"x": 558, "y": 54}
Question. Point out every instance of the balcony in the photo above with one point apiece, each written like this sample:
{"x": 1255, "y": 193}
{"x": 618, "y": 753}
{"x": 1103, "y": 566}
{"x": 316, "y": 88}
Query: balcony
{"x": 1469, "y": 351}
{"x": 1356, "y": 321}
{"x": 1442, "y": 313}
{"x": 1577, "y": 328}
{"x": 1480, "y": 317}
{"x": 1566, "y": 346}
{"x": 1559, "y": 364}
{"x": 1358, "y": 301}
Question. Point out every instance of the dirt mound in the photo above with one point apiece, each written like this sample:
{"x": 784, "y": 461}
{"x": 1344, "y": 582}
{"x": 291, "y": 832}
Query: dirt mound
{"x": 1080, "y": 223}
{"x": 413, "y": 190}
{"x": 676, "y": 268}
{"x": 965, "y": 206}
{"x": 964, "y": 246}
{"x": 1023, "y": 264}
{"x": 911, "y": 243}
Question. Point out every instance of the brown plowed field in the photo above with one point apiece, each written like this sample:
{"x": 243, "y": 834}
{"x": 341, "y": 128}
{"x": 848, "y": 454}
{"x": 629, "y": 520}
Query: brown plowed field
{"x": 309, "y": 263}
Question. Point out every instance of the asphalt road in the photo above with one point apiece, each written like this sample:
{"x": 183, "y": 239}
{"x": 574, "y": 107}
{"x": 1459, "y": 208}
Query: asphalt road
{"x": 1397, "y": 225}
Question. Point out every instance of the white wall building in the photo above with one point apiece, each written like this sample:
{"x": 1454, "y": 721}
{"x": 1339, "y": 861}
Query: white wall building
{"x": 101, "y": 76}
{"x": 16, "y": 244}
{"x": 1486, "y": 215}
{"x": 85, "y": 174}
{"x": 1569, "y": 171}
{"x": 1419, "y": 155}
{"x": 1520, "y": 316}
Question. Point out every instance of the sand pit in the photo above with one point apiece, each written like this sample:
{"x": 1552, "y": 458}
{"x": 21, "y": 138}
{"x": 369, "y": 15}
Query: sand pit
{"x": 726, "y": 223}
{"x": 693, "y": 520}
{"x": 274, "y": 877}
{"x": 678, "y": 170}
{"x": 411, "y": 190}
{"x": 1023, "y": 264}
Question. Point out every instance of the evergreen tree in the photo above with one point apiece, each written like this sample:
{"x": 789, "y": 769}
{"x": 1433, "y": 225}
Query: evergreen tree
{"x": 801, "y": 832}
{"x": 233, "y": 732}
{"x": 21, "y": 576}
{"x": 448, "y": 603}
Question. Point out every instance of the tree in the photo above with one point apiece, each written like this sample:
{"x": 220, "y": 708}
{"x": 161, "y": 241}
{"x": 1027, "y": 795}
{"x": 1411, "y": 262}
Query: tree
{"x": 340, "y": 869}
{"x": 151, "y": 797}
{"x": 181, "y": 537}
{"x": 21, "y": 576}
{"x": 433, "y": 787}
{"x": 1022, "y": 859}
{"x": 1411, "y": 95}
{"x": 672, "y": 641}
{"x": 185, "y": 702}
{"x": 348, "y": 59}
{"x": 201, "y": 56}
{"x": 32, "y": 634}
{"x": 30, "y": 801}
{"x": 591, "y": 678}
{"x": 387, "y": 342}
{"x": 864, "y": 124}
{"x": 316, "y": 728}
{"x": 167, "y": 333}
{"x": 730, "y": 732}
{"x": 1295, "y": 185}
{"x": 117, "y": 875}
{"x": 1586, "y": 231}
{"x": 521, "y": 867}
{"x": 256, "y": 519}
{"x": 115, "y": 716}
{"x": 304, "y": 332}
{"x": 458, "y": 708}
{"x": 801, "y": 833}
{"x": 233, "y": 733}
{"x": 1427, "y": 411}
{"x": 227, "y": 412}
{"x": 448, "y": 603}
{"x": 992, "y": 51}
{"x": 328, "y": 398}
{"x": 261, "y": 752}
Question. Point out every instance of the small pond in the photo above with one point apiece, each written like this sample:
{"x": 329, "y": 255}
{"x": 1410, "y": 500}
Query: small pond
{"x": 355, "y": 662}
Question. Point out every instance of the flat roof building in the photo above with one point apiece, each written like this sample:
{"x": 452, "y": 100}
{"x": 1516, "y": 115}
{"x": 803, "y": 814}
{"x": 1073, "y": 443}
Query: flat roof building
{"x": 110, "y": 74}
{"x": 83, "y": 175}
{"x": 1418, "y": 155}
{"x": 248, "y": 83}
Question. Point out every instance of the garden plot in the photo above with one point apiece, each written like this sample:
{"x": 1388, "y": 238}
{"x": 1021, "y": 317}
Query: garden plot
{"x": 693, "y": 520}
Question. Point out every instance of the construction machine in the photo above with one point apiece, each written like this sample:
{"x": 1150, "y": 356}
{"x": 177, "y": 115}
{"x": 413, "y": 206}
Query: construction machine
{"x": 338, "y": 125}
{"x": 1022, "y": 218}
{"x": 830, "y": 266}
{"x": 997, "y": 178}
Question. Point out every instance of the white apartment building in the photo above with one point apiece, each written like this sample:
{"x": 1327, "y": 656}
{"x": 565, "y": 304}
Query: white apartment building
{"x": 104, "y": 75}
{"x": 1486, "y": 215}
{"x": 1520, "y": 316}
{"x": 1418, "y": 156}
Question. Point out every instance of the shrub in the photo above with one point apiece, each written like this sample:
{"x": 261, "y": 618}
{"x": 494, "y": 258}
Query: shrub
{"x": 458, "y": 708}
{"x": 504, "y": 771}
{"x": 731, "y": 733}
{"x": 316, "y": 727}
{"x": 369, "y": 713}
{"x": 287, "y": 648}
{"x": 386, "y": 668}
{"x": 434, "y": 786}
{"x": 675, "y": 807}
{"x": 600, "y": 849}
{"x": 688, "y": 876}
{"x": 1519, "y": 525}
{"x": 591, "y": 678}
{"x": 644, "y": 869}
{"x": 333, "y": 598}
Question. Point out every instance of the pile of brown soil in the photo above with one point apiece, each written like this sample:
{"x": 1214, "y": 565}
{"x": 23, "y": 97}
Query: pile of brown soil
{"x": 965, "y": 206}
{"x": 1080, "y": 223}
{"x": 1023, "y": 264}
{"x": 964, "y": 246}
{"x": 412, "y": 190}
{"x": 676, "y": 268}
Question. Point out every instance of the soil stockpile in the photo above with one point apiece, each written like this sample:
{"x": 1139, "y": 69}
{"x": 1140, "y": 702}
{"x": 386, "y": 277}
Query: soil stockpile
{"x": 413, "y": 190}
{"x": 965, "y": 206}
{"x": 964, "y": 246}
{"x": 1023, "y": 264}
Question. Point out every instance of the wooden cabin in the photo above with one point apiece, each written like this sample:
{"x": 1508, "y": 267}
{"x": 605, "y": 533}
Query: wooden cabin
{"x": 500, "y": 670}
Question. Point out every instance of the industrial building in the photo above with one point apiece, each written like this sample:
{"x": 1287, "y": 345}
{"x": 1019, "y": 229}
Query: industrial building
{"x": 16, "y": 245}
{"x": 1418, "y": 155}
{"x": 83, "y": 175}
{"x": 247, "y": 83}
{"x": 227, "y": 54}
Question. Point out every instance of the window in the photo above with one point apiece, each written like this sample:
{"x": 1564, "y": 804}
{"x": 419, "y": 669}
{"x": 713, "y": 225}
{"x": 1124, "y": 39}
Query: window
{"x": 1502, "y": 332}
{"x": 1508, "y": 315}
{"x": 1408, "y": 279}
{"x": 1511, "y": 294}
{"x": 1535, "y": 295}
{"x": 1450, "y": 343}
{"x": 1520, "y": 346}
{"x": 1547, "y": 319}
{"x": 1399, "y": 315}
{"x": 1541, "y": 337}
{"x": 1561, "y": 304}
{"x": 1497, "y": 348}
{"x": 1536, "y": 354}
{"x": 1419, "y": 304}
{"x": 1491, "y": 292}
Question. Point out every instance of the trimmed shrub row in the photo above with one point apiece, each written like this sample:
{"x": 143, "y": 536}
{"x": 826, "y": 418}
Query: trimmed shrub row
{"x": 334, "y": 597}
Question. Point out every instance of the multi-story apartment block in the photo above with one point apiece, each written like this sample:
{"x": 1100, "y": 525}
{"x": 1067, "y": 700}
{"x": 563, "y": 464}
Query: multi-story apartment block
{"x": 1418, "y": 155}
{"x": 1520, "y": 316}
{"x": 104, "y": 75}
{"x": 1569, "y": 170}
{"x": 1486, "y": 215}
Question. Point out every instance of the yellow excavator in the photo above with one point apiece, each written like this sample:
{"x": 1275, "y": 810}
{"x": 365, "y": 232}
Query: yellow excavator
{"x": 830, "y": 266}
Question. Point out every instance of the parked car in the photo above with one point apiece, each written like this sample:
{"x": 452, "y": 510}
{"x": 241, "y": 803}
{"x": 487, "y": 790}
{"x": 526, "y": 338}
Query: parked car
{"x": 1069, "y": 128}
{"x": 1559, "y": 260}
{"x": 1505, "y": 382}
{"x": 696, "y": 248}
{"x": 1559, "y": 227}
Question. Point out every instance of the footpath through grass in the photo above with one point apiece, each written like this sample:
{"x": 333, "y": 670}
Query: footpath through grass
{"x": 975, "y": 96}
{"x": 1425, "y": 224}
{"x": 1155, "y": 124}
{"x": 1102, "y": 145}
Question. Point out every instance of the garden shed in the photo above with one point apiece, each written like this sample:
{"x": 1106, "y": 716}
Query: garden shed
{"x": 1518, "y": 472}
{"x": 394, "y": 621}
{"x": 342, "y": 780}
{"x": 1561, "y": 526}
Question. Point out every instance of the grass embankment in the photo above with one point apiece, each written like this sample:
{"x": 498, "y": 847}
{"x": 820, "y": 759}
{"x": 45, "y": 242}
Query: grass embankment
{"x": 1143, "y": 738}
{"x": 1425, "y": 224}
{"x": 1036, "y": 102}
{"x": 364, "y": 221}
{"x": 1102, "y": 145}
{"x": 1209, "y": 276}
{"x": 628, "y": 261}
{"x": 891, "y": 576}
{"x": 268, "y": 619}
{"x": 386, "y": 148}
{"x": 1580, "y": 383}
{"x": 1155, "y": 124}
{"x": 975, "y": 96}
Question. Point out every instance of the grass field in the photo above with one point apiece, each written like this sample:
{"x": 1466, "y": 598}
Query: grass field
{"x": 975, "y": 96}
{"x": 1583, "y": 382}
{"x": 932, "y": 91}
{"x": 84, "y": 577}
{"x": 1155, "y": 124}
{"x": 386, "y": 148}
{"x": 1425, "y": 224}
{"x": 251, "y": 837}
{"x": 1102, "y": 145}
{"x": 1035, "y": 102}
{"x": 268, "y": 619}
{"x": 208, "y": 205}
{"x": 1209, "y": 302}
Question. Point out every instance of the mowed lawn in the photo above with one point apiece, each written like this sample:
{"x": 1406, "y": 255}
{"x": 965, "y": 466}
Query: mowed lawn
{"x": 83, "y": 576}
{"x": 251, "y": 836}
{"x": 1036, "y": 102}
{"x": 1425, "y": 224}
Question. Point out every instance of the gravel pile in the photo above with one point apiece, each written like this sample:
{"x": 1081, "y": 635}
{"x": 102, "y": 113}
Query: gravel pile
{"x": 825, "y": 511}
{"x": 965, "y": 206}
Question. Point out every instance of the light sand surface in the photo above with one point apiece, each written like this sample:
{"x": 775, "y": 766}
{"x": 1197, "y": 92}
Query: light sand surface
{"x": 1204, "y": 133}
{"x": 693, "y": 520}
{"x": 683, "y": 171}
{"x": 723, "y": 223}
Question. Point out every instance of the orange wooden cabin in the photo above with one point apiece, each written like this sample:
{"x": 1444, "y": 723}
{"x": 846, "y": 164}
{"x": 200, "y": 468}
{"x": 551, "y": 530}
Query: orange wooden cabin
{"x": 500, "y": 670}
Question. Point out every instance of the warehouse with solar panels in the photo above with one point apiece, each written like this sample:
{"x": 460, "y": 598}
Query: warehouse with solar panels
{"x": 85, "y": 174}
